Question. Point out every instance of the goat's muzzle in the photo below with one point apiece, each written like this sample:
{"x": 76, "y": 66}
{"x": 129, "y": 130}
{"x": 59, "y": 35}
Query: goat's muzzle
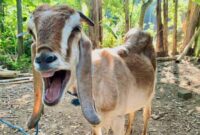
{"x": 55, "y": 79}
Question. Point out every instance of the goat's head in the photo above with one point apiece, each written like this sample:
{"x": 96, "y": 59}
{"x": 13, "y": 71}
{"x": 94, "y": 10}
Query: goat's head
{"x": 63, "y": 52}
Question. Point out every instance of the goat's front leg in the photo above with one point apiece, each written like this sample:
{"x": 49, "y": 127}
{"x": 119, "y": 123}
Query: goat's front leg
{"x": 131, "y": 117}
{"x": 146, "y": 117}
{"x": 72, "y": 86}
{"x": 96, "y": 130}
{"x": 118, "y": 125}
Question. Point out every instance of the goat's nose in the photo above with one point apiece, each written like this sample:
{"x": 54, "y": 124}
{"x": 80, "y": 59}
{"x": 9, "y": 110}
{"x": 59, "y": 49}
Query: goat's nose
{"x": 50, "y": 59}
{"x": 45, "y": 58}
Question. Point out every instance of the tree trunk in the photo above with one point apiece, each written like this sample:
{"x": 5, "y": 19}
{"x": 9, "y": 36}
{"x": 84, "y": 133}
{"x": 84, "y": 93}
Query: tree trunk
{"x": 95, "y": 33}
{"x": 143, "y": 10}
{"x": 159, "y": 43}
{"x": 165, "y": 26}
{"x": 19, "y": 28}
{"x": 192, "y": 24}
{"x": 174, "y": 50}
{"x": 187, "y": 17}
{"x": 127, "y": 20}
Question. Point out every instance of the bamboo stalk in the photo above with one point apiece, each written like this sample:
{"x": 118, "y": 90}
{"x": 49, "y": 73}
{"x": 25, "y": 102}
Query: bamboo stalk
{"x": 188, "y": 45}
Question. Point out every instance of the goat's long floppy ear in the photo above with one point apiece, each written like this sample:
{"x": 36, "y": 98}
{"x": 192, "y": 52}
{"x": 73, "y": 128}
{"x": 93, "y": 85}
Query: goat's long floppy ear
{"x": 84, "y": 82}
{"x": 86, "y": 19}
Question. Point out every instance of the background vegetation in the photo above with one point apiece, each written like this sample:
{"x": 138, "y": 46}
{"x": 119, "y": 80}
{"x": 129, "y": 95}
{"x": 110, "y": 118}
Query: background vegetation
{"x": 117, "y": 16}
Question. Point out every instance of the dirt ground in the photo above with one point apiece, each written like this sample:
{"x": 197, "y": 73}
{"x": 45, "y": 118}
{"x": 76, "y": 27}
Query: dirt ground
{"x": 171, "y": 115}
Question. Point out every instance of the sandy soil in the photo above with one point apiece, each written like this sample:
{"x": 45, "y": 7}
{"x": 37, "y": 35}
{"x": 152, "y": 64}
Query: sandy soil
{"x": 171, "y": 115}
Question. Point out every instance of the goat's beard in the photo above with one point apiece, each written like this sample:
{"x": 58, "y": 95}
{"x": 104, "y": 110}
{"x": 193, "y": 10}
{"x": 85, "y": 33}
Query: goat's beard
{"x": 54, "y": 86}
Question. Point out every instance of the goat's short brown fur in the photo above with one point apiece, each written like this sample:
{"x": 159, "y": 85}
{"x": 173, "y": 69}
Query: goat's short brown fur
{"x": 110, "y": 82}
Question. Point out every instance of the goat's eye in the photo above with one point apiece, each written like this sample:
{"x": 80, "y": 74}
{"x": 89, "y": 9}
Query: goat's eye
{"x": 31, "y": 32}
{"x": 77, "y": 28}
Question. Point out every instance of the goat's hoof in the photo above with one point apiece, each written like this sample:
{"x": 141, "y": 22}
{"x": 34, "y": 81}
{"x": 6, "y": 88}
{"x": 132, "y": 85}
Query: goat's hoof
{"x": 75, "y": 102}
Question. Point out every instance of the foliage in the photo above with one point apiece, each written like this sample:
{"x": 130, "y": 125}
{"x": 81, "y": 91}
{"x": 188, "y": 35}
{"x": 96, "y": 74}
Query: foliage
{"x": 182, "y": 6}
{"x": 113, "y": 24}
{"x": 114, "y": 21}
{"x": 23, "y": 64}
{"x": 197, "y": 1}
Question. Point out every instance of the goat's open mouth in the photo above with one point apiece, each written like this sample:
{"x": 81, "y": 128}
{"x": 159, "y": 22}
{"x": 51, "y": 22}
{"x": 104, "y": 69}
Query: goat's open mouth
{"x": 54, "y": 86}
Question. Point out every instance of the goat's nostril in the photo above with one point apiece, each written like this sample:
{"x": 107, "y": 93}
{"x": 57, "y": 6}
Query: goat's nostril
{"x": 45, "y": 59}
{"x": 50, "y": 59}
{"x": 38, "y": 60}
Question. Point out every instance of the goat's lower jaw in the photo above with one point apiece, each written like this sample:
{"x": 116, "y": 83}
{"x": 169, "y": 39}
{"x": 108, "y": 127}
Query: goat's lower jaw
{"x": 54, "y": 87}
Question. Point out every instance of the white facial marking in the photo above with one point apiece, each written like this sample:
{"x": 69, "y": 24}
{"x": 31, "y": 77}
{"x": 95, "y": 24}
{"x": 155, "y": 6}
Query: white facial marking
{"x": 73, "y": 21}
{"x": 31, "y": 25}
{"x": 47, "y": 13}
{"x": 73, "y": 63}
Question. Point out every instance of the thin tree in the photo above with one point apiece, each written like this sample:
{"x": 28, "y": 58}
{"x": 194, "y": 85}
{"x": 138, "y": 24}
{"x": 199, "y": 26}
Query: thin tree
{"x": 131, "y": 12}
{"x": 145, "y": 5}
{"x": 1, "y": 16}
{"x": 100, "y": 24}
{"x": 165, "y": 25}
{"x": 19, "y": 28}
{"x": 159, "y": 42}
{"x": 95, "y": 33}
{"x": 127, "y": 19}
{"x": 174, "y": 50}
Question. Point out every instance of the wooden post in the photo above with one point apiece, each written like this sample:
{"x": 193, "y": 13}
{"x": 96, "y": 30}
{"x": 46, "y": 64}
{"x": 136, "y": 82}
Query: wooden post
{"x": 19, "y": 28}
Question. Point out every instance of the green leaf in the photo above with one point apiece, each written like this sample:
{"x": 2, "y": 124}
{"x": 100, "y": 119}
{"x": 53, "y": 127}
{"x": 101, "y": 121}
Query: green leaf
{"x": 197, "y": 1}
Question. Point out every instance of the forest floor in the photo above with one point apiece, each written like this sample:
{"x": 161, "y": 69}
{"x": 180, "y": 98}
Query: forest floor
{"x": 171, "y": 115}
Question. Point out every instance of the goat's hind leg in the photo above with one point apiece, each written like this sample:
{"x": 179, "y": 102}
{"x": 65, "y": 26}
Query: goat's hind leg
{"x": 118, "y": 125}
{"x": 96, "y": 130}
{"x": 146, "y": 117}
{"x": 131, "y": 117}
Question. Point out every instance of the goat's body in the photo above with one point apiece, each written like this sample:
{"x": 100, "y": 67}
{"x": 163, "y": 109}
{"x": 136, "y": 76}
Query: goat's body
{"x": 118, "y": 87}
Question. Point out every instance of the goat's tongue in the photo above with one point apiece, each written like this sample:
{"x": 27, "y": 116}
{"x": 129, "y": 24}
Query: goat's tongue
{"x": 53, "y": 92}
{"x": 47, "y": 74}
